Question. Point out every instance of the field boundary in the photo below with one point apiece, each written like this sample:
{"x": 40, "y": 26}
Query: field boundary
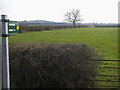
{"x": 107, "y": 75}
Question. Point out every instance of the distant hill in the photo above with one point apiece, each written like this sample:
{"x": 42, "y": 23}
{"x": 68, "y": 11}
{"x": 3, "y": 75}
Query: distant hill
{"x": 44, "y": 22}
{"x": 41, "y": 22}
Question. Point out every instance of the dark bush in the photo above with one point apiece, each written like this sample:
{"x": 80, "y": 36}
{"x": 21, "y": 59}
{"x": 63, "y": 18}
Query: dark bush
{"x": 52, "y": 66}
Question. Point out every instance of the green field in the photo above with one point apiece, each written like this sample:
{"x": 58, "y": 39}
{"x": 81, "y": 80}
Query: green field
{"x": 104, "y": 40}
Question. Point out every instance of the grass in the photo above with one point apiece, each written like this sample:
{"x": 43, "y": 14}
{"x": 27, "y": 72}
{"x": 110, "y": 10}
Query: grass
{"x": 104, "y": 40}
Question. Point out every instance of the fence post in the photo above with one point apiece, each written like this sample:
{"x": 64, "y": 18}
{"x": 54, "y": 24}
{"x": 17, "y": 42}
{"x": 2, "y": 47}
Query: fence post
{"x": 5, "y": 54}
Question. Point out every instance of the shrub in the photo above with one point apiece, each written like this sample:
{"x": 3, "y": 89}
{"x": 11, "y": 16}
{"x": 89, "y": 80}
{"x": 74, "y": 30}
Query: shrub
{"x": 44, "y": 28}
{"x": 52, "y": 66}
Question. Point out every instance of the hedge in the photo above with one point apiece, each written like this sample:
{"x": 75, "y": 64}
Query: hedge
{"x": 52, "y": 65}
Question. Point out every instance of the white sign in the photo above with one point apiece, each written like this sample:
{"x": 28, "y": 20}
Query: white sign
{"x": 11, "y": 24}
{"x": 12, "y": 30}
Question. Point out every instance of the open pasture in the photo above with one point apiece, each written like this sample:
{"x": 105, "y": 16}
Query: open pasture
{"x": 104, "y": 40}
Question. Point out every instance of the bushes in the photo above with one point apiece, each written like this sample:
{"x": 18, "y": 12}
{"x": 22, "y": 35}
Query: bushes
{"x": 52, "y": 66}
{"x": 43, "y": 28}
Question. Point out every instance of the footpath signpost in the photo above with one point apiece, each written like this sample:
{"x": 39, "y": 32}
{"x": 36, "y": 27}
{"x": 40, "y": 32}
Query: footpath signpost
{"x": 5, "y": 54}
{"x": 0, "y": 57}
{"x": 13, "y": 27}
{"x": 7, "y": 28}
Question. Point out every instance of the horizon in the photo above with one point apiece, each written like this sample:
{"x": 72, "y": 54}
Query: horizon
{"x": 66, "y": 22}
{"x": 92, "y": 11}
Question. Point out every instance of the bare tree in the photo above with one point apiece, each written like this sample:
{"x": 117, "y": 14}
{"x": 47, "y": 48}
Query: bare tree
{"x": 73, "y": 16}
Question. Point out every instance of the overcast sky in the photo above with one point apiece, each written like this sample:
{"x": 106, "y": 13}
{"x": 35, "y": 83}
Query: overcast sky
{"x": 100, "y": 11}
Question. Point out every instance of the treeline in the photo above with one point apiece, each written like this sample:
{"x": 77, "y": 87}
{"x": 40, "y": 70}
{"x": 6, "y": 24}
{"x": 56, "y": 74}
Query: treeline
{"x": 47, "y": 28}
{"x": 44, "y": 28}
